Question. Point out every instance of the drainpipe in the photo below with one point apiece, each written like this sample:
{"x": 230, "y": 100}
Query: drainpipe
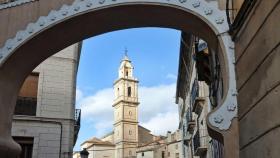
{"x": 46, "y": 121}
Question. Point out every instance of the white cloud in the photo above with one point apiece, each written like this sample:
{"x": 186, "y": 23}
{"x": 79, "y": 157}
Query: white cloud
{"x": 98, "y": 106}
{"x": 162, "y": 123}
{"x": 157, "y": 110}
{"x": 171, "y": 76}
{"x": 79, "y": 95}
{"x": 158, "y": 99}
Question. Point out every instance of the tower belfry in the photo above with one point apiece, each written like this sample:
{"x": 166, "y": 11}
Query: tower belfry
{"x": 126, "y": 111}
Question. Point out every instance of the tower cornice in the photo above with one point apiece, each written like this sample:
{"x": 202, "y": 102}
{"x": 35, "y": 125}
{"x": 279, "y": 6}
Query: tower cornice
{"x": 125, "y": 121}
{"x": 126, "y": 79}
{"x": 135, "y": 103}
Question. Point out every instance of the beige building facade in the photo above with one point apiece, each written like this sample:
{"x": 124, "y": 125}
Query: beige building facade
{"x": 45, "y": 122}
{"x": 168, "y": 146}
{"x": 126, "y": 111}
{"x": 195, "y": 100}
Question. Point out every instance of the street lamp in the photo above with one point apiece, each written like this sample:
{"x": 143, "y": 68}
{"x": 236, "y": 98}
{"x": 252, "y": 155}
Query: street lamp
{"x": 84, "y": 153}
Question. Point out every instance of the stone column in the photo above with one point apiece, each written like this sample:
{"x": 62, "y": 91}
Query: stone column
{"x": 8, "y": 94}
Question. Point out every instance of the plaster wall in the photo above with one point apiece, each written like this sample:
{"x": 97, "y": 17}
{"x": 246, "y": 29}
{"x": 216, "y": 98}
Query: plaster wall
{"x": 57, "y": 84}
{"x": 147, "y": 154}
{"x": 102, "y": 151}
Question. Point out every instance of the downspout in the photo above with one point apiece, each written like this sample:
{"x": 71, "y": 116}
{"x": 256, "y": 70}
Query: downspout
{"x": 227, "y": 13}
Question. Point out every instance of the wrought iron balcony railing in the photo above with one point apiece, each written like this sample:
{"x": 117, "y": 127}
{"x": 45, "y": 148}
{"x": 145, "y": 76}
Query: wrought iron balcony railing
{"x": 77, "y": 124}
{"x": 200, "y": 142}
{"x": 190, "y": 121}
{"x": 77, "y": 117}
{"x": 194, "y": 92}
{"x": 26, "y": 106}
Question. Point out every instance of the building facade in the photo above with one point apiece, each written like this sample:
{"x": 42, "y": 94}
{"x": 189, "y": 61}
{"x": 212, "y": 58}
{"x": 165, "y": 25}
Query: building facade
{"x": 255, "y": 31}
{"x": 45, "y": 121}
{"x": 126, "y": 111}
{"x": 195, "y": 100}
{"x": 168, "y": 146}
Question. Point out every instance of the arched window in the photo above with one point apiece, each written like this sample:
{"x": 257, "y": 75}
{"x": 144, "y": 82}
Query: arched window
{"x": 129, "y": 91}
{"x": 126, "y": 73}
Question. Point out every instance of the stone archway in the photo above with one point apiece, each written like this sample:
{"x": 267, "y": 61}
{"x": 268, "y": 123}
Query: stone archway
{"x": 86, "y": 18}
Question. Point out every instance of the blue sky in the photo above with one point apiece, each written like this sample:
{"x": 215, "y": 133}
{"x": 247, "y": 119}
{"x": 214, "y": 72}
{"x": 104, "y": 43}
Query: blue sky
{"x": 154, "y": 53}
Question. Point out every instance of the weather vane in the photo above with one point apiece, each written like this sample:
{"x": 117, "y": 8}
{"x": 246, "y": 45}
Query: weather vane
{"x": 125, "y": 51}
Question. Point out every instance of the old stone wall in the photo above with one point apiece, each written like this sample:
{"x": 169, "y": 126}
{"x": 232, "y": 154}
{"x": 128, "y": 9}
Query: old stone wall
{"x": 258, "y": 81}
{"x": 57, "y": 84}
{"x": 53, "y": 126}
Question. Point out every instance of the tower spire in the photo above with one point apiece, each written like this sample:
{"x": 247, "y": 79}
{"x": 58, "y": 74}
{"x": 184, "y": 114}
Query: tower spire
{"x": 125, "y": 55}
{"x": 125, "y": 51}
{"x": 126, "y": 111}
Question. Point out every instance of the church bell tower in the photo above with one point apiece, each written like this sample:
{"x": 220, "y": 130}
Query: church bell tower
{"x": 126, "y": 111}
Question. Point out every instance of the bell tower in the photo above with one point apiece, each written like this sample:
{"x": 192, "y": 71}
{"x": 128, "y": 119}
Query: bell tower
{"x": 126, "y": 111}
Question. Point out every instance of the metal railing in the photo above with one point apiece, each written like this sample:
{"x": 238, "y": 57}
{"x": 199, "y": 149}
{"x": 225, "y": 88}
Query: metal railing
{"x": 26, "y": 106}
{"x": 189, "y": 116}
{"x": 77, "y": 117}
{"x": 216, "y": 149}
{"x": 196, "y": 141}
{"x": 200, "y": 142}
{"x": 77, "y": 124}
{"x": 194, "y": 92}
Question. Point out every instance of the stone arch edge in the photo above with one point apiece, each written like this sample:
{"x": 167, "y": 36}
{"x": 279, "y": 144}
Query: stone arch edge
{"x": 220, "y": 119}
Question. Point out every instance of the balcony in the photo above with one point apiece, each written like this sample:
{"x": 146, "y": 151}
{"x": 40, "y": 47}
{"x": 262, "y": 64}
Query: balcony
{"x": 199, "y": 144}
{"x": 198, "y": 105}
{"x": 77, "y": 124}
{"x": 26, "y": 106}
{"x": 190, "y": 121}
{"x": 187, "y": 138}
{"x": 191, "y": 125}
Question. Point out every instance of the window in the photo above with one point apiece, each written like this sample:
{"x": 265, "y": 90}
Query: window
{"x": 162, "y": 154}
{"x": 168, "y": 154}
{"x": 177, "y": 155}
{"x": 130, "y": 113}
{"x": 176, "y": 146}
{"x": 129, "y": 91}
{"x": 27, "y": 99}
{"x": 126, "y": 73}
{"x": 130, "y": 152}
{"x": 173, "y": 137}
{"x": 130, "y": 132}
{"x": 143, "y": 154}
{"x": 26, "y": 144}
